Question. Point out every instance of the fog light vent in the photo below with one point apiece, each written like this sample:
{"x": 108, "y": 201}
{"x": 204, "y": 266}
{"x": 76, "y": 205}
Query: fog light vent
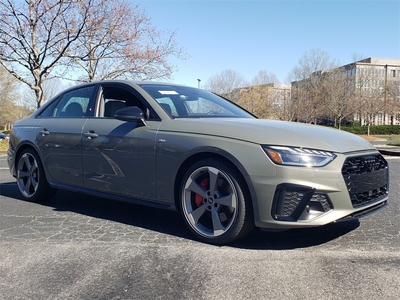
{"x": 318, "y": 205}
{"x": 294, "y": 202}
{"x": 291, "y": 201}
{"x": 323, "y": 200}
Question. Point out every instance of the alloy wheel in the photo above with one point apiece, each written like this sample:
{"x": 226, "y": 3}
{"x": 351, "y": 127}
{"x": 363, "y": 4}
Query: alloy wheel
{"x": 28, "y": 175}
{"x": 209, "y": 201}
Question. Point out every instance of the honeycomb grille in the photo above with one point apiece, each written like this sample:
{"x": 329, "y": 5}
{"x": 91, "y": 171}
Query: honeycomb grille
{"x": 290, "y": 202}
{"x": 323, "y": 199}
{"x": 366, "y": 178}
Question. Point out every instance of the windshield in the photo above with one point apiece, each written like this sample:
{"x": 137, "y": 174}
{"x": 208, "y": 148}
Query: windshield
{"x": 187, "y": 102}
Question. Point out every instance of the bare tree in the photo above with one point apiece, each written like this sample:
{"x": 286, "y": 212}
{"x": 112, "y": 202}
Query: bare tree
{"x": 7, "y": 98}
{"x": 225, "y": 83}
{"x": 392, "y": 99}
{"x": 100, "y": 38}
{"x": 264, "y": 77}
{"x": 119, "y": 41}
{"x": 35, "y": 34}
{"x": 256, "y": 99}
{"x": 282, "y": 105}
{"x": 373, "y": 105}
{"x": 357, "y": 57}
{"x": 10, "y": 110}
{"x": 269, "y": 97}
{"x": 53, "y": 86}
{"x": 336, "y": 95}
{"x": 306, "y": 84}
{"x": 311, "y": 62}
{"x": 369, "y": 95}
{"x": 27, "y": 98}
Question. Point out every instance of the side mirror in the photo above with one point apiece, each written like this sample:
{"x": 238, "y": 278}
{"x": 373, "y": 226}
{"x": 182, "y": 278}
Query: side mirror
{"x": 130, "y": 114}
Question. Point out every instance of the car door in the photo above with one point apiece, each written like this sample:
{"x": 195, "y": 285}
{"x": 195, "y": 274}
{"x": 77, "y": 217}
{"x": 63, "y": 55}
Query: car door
{"x": 119, "y": 156}
{"x": 59, "y": 135}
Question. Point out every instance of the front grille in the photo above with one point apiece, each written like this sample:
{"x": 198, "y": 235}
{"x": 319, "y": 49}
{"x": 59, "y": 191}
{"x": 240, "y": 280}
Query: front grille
{"x": 366, "y": 178}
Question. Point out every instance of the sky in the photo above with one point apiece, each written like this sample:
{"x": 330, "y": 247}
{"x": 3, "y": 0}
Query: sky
{"x": 252, "y": 35}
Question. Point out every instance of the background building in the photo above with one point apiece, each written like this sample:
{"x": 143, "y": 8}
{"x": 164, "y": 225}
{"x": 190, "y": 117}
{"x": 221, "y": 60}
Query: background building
{"x": 367, "y": 91}
{"x": 376, "y": 84}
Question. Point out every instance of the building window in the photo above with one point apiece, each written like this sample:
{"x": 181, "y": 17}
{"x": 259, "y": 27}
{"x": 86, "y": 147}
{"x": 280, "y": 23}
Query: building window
{"x": 351, "y": 72}
{"x": 398, "y": 73}
{"x": 380, "y": 119}
{"x": 393, "y": 73}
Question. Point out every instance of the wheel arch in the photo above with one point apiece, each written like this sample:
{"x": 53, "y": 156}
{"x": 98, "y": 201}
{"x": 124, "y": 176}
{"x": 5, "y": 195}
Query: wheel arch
{"x": 225, "y": 158}
{"x": 22, "y": 147}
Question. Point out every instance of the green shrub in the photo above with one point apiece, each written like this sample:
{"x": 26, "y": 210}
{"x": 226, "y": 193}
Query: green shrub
{"x": 373, "y": 130}
{"x": 355, "y": 129}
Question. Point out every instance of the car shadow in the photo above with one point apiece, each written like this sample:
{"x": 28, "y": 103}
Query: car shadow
{"x": 296, "y": 238}
{"x": 171, "y": 223}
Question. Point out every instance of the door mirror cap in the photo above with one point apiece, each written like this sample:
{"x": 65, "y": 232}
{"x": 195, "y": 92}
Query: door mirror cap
{"x": 130, "y": 114}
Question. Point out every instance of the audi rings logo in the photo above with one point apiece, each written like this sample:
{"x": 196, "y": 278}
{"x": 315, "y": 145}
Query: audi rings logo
{"x": 371, "y": 163}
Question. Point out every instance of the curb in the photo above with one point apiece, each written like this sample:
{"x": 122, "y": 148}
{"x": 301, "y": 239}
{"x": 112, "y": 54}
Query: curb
{"x": 388, "y": 152}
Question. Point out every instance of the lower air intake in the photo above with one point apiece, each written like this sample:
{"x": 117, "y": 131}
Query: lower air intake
{"x": 294, "y": 203}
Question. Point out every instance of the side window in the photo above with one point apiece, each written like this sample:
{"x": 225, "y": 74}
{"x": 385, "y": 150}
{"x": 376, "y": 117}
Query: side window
{"x": 111, "y": 106}
{"x": 168, "y": 105}
{"x": 73, "y": 104}
{"x": 114, "y": 98}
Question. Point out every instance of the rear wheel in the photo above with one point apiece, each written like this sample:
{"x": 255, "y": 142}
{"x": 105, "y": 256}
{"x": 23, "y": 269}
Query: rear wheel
{"x": 31, "y": 179}
{"x": 215, "y": 203}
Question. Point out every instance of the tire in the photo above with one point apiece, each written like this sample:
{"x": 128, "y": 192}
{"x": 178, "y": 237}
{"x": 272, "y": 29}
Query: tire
{"x": 31, "y": 179}
{"x": 214, "y": 202}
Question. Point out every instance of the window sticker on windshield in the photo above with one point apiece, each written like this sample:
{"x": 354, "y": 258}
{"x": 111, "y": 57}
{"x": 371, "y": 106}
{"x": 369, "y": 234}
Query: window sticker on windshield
{"x": 168, "y": 93}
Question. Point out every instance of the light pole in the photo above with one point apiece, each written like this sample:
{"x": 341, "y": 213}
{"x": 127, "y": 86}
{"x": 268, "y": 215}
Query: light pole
{"x": 198, "y": 83}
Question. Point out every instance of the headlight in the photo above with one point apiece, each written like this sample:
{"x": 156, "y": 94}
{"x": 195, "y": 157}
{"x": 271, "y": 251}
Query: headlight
{"x": 303, "y": 157}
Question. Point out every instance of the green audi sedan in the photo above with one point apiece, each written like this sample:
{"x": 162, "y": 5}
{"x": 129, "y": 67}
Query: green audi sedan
{"x": 172, "y": 146}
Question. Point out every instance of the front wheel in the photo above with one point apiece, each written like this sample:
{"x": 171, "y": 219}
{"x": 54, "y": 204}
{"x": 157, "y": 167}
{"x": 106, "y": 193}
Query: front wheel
{"x": 215, "y": 203}
{"x": 31, "y": 179}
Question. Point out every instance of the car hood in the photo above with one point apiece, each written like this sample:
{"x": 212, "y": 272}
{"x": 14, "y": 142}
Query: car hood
{"x": 271, "y": 132}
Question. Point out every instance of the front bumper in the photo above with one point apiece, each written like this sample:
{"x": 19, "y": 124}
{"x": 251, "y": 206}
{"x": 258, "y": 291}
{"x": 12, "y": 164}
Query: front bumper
{"x": 351, "y": 186}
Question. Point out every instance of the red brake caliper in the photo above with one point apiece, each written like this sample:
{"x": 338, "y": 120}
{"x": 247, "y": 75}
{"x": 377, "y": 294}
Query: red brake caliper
{"x": 198, "y": 198}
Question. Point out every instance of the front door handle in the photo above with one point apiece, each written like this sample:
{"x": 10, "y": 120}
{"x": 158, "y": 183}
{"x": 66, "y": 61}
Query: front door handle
{"x": 44, "y": 132}
{"x": 91, "y": 134}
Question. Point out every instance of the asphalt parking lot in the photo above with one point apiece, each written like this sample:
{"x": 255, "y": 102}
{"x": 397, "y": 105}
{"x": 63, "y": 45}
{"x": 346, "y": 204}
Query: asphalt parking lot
{"x": 80, "y": 247}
